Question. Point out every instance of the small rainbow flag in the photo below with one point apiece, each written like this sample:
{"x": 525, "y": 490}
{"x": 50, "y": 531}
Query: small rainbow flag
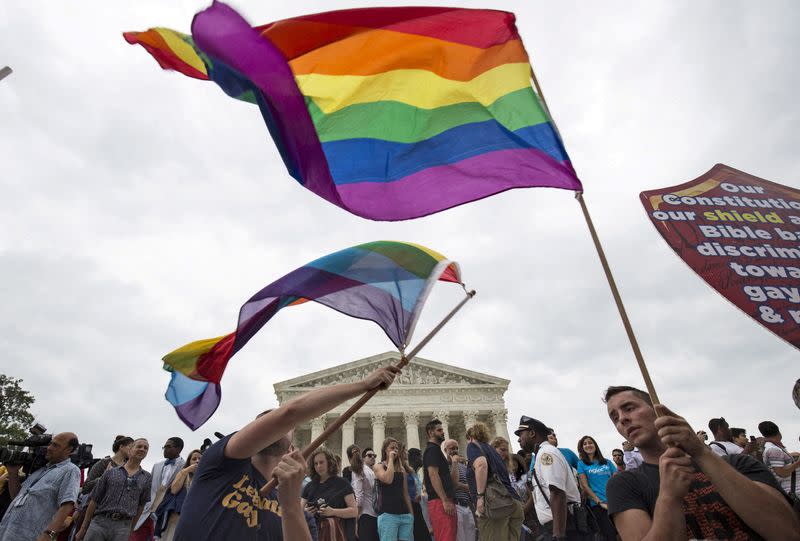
{"x": 386, "y": 282}
{"x": 389, "y": 113}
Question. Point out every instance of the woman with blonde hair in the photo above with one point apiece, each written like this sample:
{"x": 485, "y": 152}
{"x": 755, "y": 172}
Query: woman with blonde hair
{"x": 513, "y": 462}
{"x": 396, "y": 516}
{"x": 486, "y": 468}
{"x": 329, "y": 498}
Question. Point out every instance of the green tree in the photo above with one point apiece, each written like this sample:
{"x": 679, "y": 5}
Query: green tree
{"x": 14, "y": 405}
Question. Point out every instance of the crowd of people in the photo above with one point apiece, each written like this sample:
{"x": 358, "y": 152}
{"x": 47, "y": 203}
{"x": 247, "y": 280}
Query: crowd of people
{"x": 665, "y": 483}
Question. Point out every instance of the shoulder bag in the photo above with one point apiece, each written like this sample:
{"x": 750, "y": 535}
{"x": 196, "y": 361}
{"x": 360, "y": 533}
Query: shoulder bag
{"x": 497, "y": 502}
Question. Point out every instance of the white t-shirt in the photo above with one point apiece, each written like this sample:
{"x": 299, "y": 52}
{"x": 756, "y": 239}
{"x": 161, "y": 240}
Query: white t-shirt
{"x": 730, "y": 448}
{"x": 633, "y": 459}
{"x": 168, "y": 473}
{"x": 552, "y": 469}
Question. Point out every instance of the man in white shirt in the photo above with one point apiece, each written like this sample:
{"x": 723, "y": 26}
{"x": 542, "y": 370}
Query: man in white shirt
{"x": 782, "y": 465}
{"x": 554, "y": 485}
{"x": 723, "y": 440}
{"x": 631, "y": 455}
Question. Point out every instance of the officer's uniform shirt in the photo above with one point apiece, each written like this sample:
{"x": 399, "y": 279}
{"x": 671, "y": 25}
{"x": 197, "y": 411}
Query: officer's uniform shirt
{"x": 552, "y": 469}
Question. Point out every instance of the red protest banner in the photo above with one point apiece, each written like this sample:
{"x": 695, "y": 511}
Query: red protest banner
{"x": 741, "y": 234}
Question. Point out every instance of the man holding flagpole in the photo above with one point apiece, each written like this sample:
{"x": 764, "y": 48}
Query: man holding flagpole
{"x": 229, "y": 499}
{"x": 683, "y": 490}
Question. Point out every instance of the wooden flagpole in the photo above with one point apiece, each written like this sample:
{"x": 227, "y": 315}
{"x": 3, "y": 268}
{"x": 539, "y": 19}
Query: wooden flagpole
{"x": 618, "y": 299}
{"x": 606, "y": 267}
{"x": 404, "y": 360}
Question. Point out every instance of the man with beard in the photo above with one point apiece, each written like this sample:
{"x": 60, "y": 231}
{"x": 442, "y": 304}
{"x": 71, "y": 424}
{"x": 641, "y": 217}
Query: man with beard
{"x": 683, "y": 490}
{"x": 619, "y": 459}
{"x": 369, "y": 457}
{"x": 227, "y": 500}
{"x": 439, "y": 485}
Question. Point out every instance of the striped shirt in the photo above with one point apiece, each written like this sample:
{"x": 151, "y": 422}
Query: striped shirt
{"x": 462, "y": 496}
{"x": 777, "y": 457}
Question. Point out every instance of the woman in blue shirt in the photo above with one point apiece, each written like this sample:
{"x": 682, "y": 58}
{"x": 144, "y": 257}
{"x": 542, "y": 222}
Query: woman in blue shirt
{"x": 594, "y": 471}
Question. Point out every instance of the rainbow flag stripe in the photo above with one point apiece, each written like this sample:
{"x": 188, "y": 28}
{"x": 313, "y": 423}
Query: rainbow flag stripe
{"x": 385, "y": 281}
{"x": 389, "y": 113}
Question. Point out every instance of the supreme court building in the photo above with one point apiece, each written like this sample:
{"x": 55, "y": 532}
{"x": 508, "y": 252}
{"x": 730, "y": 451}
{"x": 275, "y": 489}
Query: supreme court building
{"x": 425, "y": 390}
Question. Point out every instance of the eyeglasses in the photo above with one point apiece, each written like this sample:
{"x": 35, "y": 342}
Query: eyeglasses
{"x": 370, "y": 455}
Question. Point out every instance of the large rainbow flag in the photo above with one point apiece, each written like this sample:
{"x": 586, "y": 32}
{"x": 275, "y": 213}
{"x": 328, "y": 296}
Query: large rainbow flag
{"x": 386, "y": 282}
{"x": 389, "y": 113}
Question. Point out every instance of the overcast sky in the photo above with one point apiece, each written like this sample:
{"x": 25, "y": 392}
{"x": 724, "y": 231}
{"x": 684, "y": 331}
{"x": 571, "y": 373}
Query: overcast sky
{"x": 141, "y": 208}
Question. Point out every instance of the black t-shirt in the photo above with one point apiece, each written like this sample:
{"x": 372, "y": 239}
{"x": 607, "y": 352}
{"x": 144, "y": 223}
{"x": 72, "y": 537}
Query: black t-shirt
{"x": 391, "y": 498}
{"x": 707, "y": 515}
{"x": 435, "y": 457}
{"x": 333, "y": 491}
{"x": 224, "y": 502}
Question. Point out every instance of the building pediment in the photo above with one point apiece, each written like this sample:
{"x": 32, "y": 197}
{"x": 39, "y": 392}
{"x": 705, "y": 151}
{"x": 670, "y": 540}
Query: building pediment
{"x": 419, "y": 373}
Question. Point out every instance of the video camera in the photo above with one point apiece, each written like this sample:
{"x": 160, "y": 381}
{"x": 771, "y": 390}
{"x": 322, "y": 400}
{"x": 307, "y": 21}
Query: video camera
{"x": 35, "y": 458}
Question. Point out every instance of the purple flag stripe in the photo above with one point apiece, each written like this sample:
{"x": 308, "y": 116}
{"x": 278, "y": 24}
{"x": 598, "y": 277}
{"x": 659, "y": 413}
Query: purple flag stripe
{"x": 428, "y": 191}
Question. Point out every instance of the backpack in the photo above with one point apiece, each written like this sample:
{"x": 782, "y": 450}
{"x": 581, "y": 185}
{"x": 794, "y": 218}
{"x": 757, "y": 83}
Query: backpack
{"x": 718, "y": 444}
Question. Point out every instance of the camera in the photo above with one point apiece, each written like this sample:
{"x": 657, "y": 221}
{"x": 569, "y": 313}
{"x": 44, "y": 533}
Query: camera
{"x": 316, "y": 506}
{"x": 35, "y": 458}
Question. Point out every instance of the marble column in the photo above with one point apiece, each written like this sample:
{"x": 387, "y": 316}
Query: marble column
{"x": 411, "y": 419}
{"x": 317, "y": 426}
{"x": 500, "y": 420}
{"x": 378, "y": 431}
{"x": 470, "y": 418}
{"x": 444, "y": 417}
{"x": 348, "y": 436}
